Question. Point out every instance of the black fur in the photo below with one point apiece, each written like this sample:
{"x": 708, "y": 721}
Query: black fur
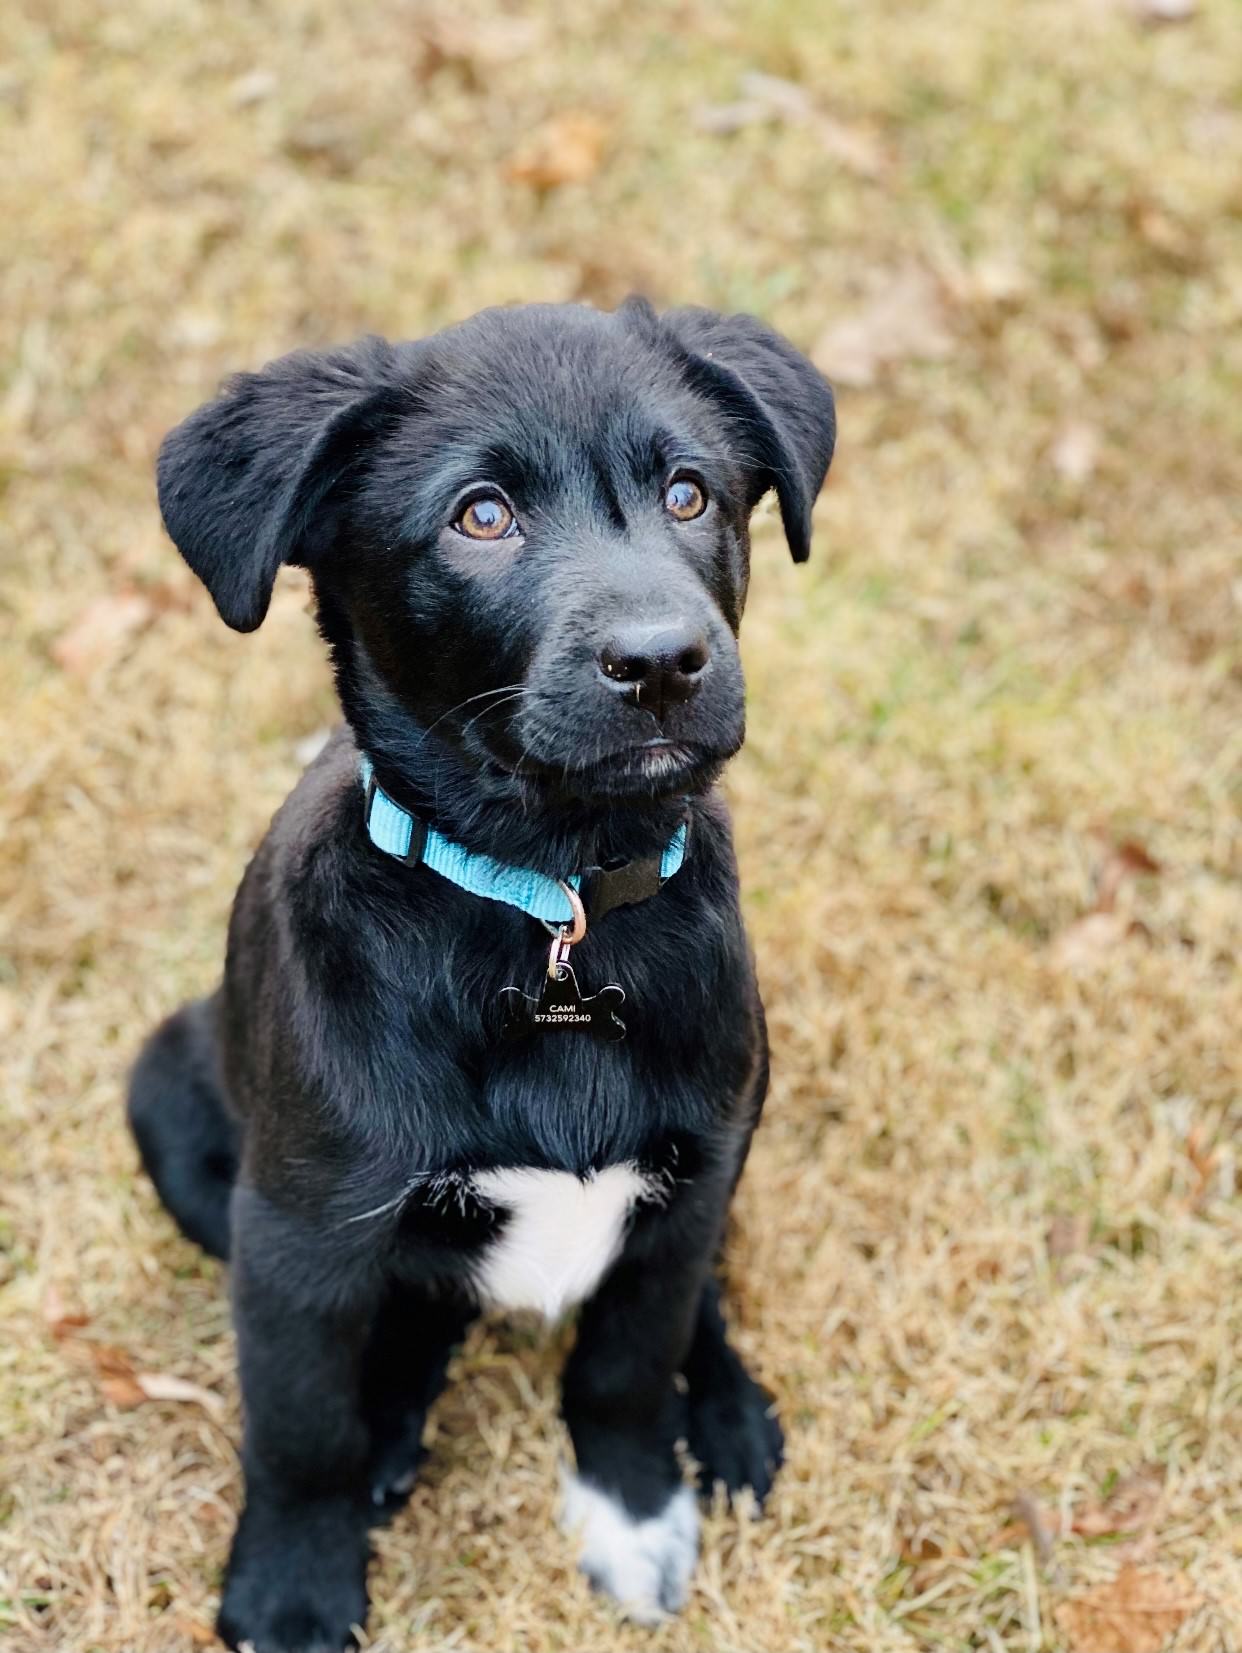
{"x": 355, "y": 1043}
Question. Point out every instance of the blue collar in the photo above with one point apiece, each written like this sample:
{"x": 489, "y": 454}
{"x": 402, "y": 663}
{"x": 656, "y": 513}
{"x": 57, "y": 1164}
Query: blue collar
{"x": 400, "y": 834}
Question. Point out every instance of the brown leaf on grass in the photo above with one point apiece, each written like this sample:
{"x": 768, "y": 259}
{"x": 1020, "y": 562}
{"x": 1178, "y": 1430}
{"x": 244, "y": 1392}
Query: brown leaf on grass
{"x": 1123, "y": 862}
{"x": 1136, "y": 1612}
{"x": 1128, "y": 1511}
{"x": 565, "y": 150}
{"x": 1088, "y": 941}
{"x": 1130, "y": 1507}
{"x": 107, "y": 1359}
{"x": 121, "y": 1384}
{"x": 61, "y": 1320}
{"x": 101, "y": 631}
{"x": 195, "y": 1631}
{"x": 905, "y": 319}
{"x": 1205, "y": 1161}
{"x": 765, "y": 100}
{"x": 114, "y": 1371}
{"x": 121, "y": 1391}
{"x": 922, "y": 1549}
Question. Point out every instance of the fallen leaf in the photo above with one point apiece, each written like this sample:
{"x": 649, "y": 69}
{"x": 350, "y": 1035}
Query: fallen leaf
{"x": 195, "y": 1632}
{"x": 164, "y": 1386}
{"x": 766, "y": 100}
{"x": 905, "y": 318}
{"x": 114, "y": 1371}
{"x": 1088, "y": 940}
{"x": 1129, "y": 1508}
{"x": 61, "y": 1320}
{"x": 1136, "y": 1612}
{"x": 565, "y": 150}
{"x": 108, "y": 1360}
{"x": 101, "y": 631}
{"x": 1075, "y": 451}
{"x": 922, "y": 1549}
{"x": 1122, "y": 863}
{"x": 124, "y": 1386}
{"x": 1206, "y": 1163}
{"x": 122, "y": 1391}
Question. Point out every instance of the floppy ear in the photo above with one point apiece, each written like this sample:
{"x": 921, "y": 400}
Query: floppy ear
{"x": 254, "y": 479}
{"x": 781, "y": 405}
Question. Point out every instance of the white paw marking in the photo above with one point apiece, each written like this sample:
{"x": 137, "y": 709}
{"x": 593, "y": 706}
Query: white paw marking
{"x": 644, "y": 1564}
{"x": 561, "y": 1234}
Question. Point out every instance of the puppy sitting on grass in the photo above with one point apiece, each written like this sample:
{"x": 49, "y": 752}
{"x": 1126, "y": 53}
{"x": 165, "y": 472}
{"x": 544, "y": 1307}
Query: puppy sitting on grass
{"x": 488, "y": 1034}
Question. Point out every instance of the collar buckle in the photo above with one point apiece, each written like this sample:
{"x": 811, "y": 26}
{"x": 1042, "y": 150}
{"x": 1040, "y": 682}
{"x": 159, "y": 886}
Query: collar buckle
{"x": 604, "y": 888}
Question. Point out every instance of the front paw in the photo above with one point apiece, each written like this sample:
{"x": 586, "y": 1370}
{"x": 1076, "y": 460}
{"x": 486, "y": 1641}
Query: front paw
{"x": 644, "y": 1563}
{"x": 733, "y": 1433}
{"x": 296, "y": 1581}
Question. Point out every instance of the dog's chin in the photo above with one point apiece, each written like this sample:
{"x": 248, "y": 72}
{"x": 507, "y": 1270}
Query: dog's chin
{"x": 648, "y": 772}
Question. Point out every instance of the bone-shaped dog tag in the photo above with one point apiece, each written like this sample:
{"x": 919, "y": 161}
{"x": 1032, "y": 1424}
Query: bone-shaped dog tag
{"x": 560, "y": 1003}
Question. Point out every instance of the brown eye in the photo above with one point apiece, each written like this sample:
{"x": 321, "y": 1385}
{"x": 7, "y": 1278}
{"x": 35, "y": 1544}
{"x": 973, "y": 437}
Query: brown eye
{"x": 685, "y": 499}
{"x": 486, "y": 518}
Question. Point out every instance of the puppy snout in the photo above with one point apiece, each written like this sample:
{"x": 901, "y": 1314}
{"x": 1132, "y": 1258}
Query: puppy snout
{"x": 654, "y": 666}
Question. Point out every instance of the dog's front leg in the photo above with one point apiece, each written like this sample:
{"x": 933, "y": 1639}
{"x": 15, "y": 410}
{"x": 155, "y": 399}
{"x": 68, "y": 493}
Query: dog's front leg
{"x": 627, "y": 1506}
{"x": 297, "y": 1574}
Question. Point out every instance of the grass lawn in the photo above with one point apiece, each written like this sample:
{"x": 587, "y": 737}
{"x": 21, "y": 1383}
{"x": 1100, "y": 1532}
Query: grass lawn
{"x": 988, "y": 1249}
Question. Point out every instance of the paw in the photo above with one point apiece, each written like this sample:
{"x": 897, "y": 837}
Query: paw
{"x": 643, "y": 1563}
{"x": 294, "y": 1622}
{"x": 733, "y": 1433}
{"x": 296, "y": 1584}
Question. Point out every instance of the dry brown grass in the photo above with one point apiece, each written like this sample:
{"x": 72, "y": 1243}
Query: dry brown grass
{"x": 989, "y": 1243}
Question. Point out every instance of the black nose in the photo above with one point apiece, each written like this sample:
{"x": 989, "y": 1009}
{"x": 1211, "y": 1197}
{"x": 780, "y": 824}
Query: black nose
{"x": 655, "y": 666}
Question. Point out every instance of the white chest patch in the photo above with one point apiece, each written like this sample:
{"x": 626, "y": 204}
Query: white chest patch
{"x": 560, "y": 1236}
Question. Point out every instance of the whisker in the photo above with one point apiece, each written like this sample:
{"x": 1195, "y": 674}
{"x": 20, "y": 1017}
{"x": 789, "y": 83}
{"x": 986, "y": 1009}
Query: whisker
{"x": 505, "y": 688}
{"x": 495, "y": 707}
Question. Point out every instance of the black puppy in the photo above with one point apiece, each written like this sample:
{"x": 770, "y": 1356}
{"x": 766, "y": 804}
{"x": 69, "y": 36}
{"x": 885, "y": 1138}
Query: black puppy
{"x": 409, "y": 1101}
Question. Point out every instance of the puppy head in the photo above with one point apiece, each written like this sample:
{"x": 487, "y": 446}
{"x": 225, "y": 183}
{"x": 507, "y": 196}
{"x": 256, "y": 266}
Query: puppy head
{"x": 527, "y": 533}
